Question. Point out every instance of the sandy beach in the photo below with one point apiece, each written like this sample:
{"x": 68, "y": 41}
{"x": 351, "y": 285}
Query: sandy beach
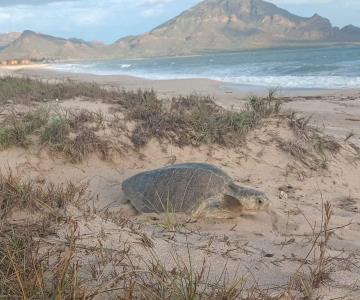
{"x": 267, "y": 248}
{"x": 336, "y": 111}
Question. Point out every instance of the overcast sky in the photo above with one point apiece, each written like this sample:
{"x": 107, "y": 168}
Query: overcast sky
{"x": 108, "y": 20}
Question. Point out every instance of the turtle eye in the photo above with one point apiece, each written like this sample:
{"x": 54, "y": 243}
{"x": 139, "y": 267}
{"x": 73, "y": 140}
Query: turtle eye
{"x": 260, "y": 201}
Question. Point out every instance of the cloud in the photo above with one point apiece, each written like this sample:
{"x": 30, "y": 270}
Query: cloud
{"x": 302, "y": 1}
{"x": 30, "y": 2}
{"x": 148, "y": 3}
{"x": 155, "y": 2}
{"x": 12, "y": 15}
{"x": 314, "y": 2}
{"x": 152, "y": 8}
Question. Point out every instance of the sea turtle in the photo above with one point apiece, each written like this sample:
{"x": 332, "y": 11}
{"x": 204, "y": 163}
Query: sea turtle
{"x": 197, "y": 188}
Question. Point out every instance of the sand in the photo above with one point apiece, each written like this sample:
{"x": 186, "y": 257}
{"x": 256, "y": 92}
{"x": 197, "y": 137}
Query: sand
{"x": 336, "y": 111}
{"x": 267, "y": 247}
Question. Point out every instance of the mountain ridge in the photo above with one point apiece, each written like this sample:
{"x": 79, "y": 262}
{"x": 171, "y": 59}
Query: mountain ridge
{"x": 39, "y": 46}
{"x": 223, "y": 25}
{"x": 7, "y": 38}
{"x": 209, "y": 26}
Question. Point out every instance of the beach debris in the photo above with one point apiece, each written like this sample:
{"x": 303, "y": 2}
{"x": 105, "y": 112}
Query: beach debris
{"x": 283, "y": 195}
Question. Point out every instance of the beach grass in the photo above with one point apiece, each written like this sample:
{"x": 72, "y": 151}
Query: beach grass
{"x": 192, "y": 120}
{"x": 36, "y": 264}
{"x": 32, "y": 267}
{"x": 187, "y": 120}
{"x": 25, "y": 90}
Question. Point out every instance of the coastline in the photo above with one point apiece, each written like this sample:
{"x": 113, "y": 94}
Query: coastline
{"x": 24, "y": 67}
{"x": 168, "y": 86}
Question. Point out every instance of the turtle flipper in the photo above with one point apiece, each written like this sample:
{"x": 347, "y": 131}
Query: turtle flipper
{"x": 213, "y": 208}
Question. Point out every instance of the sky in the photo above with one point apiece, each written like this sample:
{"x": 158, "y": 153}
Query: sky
{"x": 109, "y": 20}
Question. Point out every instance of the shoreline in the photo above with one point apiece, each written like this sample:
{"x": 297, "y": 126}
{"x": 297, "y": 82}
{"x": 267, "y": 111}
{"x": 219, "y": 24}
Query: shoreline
{"x": 24, "y": 67}
{"x": 196, "y": 83}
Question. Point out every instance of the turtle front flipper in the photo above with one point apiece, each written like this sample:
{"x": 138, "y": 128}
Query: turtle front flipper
{"x": 213, "y": 208}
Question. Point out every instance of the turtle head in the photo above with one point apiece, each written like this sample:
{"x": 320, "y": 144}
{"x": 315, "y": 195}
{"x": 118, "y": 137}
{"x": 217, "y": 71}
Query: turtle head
{"x": 245, "y": 200}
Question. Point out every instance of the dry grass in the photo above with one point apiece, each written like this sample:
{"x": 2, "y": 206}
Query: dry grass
{"x": 193, "y": 120}
{"x": 310, "y": 146}
{"x": 183, "y": 281}
{"x": 356, "y": 150}
{"x": 31, "y": 269}
{"x": 27, "y": 269}
{"x": 77, "y": 148}
{"x": 319, "y": 272}
{"x": 72, "y": 134}
{"x": 25, "y": 90}
{"x": 28, "y": 273}
{"x": 17, "y": 127}
{"x": 184, "y": 121}
{"x": 304, "y": 131}
{"x": 32, "y": 196}
{"x": 170, "y": 220}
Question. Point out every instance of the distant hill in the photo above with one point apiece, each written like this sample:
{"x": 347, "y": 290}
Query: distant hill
{"x": 37, "y": 46}
{"x": 7, "y": 38}
{"x": 210, "y": 26}
{"x": 230, "y": 25}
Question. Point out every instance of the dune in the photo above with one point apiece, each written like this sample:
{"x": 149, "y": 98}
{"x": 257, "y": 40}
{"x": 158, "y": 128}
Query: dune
{"x": 306, "y": 246}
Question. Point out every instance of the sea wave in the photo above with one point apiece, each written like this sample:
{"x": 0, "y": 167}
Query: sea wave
{"x": 326, "y": 82}
{"x": 125, "y": 66}
{"x": 281, "y": 81}
{"x": 290, "y": 82}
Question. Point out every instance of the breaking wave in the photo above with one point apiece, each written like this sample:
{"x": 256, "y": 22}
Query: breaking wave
{"x": 326, "y": 68}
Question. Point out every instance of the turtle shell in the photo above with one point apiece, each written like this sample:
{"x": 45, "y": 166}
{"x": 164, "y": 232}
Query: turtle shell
{"x": 177, "y": 188}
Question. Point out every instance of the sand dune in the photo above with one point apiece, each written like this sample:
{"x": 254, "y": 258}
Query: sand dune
{"x": 267, "y": 248}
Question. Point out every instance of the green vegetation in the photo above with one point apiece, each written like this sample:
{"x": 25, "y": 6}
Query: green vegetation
{"x": 56, "y": 130}
{"x": 36, "y": 264}
{"x": 16, "y": 128}
{"x": 72, "y": 134}
{"x": 25, "y": 90}
{"x": 84, "y": 143}
{"x": 183, "y": 121}
{"x": 193, "y": 120}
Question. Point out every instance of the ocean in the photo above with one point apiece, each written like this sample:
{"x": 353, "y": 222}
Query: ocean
{"x": 305, "y": 68}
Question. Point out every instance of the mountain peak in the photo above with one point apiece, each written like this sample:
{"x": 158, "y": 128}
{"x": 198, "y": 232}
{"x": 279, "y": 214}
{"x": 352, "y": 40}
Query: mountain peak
{"x": 37, "y": 46}
{"x": 28, "y": 33}
{"x": 210, "y": 26}
{"x": 230, "y": 25}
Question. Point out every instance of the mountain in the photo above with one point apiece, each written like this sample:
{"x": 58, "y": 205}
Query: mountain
{"x": 350, "y": 33}
{"x": 210, "y": 26}
{"x": 7, "y": 38}
{"x": 39, "y": 46}
{"x": 231, "y": 25}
